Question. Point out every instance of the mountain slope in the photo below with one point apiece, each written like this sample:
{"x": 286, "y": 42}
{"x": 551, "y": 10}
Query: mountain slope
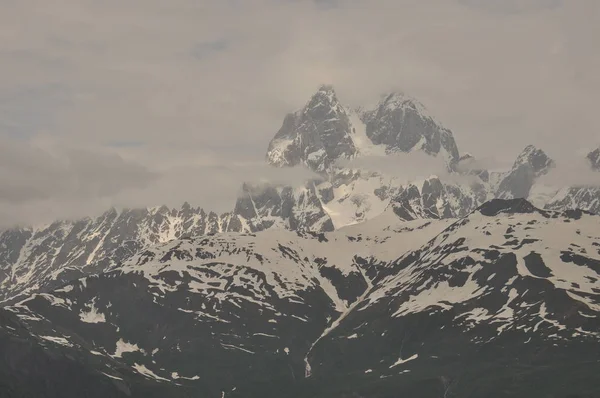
{"x": 583, "y": 197}
{"x": 502, "y": 303}
{"x": 530, "y": 165}
{"x": 42, "y": 258}
{"x": 484, "y": 306}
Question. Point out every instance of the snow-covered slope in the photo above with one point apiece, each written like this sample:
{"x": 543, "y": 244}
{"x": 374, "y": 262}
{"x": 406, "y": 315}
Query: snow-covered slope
{"x": 375, "y": 309}
{"x": 237, "y": 300}
{"x": 498, "y": 301}
{"x": 585, "y": 197}
{"x": 41, "y": 258}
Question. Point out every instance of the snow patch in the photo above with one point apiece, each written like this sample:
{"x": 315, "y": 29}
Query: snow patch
{"x": 400, "y": 361}
{"x": 124, "y": 347}
{"x": 144, "y": 371}
{"x": 92, "y": 316}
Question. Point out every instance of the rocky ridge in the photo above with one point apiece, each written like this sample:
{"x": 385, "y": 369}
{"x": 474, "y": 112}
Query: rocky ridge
{"x": 321, "y": 136}
{"x": 488, "y": 305}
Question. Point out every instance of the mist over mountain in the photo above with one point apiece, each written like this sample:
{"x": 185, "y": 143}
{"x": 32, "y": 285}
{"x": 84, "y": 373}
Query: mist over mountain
{"x": 393, "y": 157}
{"x": 400, "y": 265}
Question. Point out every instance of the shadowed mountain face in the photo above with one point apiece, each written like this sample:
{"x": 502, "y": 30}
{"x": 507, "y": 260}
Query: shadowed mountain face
{"x": 325, "y": 131}
{"x": 594, "y": 158}
{"x": 316, "y": 136}
{"x": 402, "y": 124}
{"x": 531, "y": 164}
{"x": 489, "y": 305}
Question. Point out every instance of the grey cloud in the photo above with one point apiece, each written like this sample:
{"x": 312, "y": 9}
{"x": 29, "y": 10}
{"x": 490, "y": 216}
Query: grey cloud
{"x": 39, "y": 184}
{"x": 405, "y": 167}
{"x": 489, "y": 70}
{"x": 512, "y": 6}
{"x": 575, "y": 171}
{"x": 212, "y": 186}
{"x": 486, "y": 163}
{"x": 499, "y": 78}
{"x": 29, "y": 173}
{"x": 409, "y": 167}
{"x": 25, "y": 110}
{"x": 206, "y": 49}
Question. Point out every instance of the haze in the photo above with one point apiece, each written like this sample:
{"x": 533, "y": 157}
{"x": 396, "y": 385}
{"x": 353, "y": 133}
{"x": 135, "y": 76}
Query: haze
{"x": 141, "y": 103}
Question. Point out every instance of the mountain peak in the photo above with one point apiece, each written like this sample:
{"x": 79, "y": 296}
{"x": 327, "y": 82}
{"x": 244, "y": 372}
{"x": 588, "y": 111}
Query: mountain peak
{"x": 531, "y": 163}
{"x": 536, "y": 158}
{"x": 594, "y": 158}
{"x": 402, "y": 124}
{"x": 317, "y": 135}
{"x": 326, "y": 89}
{"x": 399, "y": 99}
{"x": 326, "y": 99}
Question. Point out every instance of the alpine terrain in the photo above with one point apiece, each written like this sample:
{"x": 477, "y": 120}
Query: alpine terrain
{"x": 468, "y": 283}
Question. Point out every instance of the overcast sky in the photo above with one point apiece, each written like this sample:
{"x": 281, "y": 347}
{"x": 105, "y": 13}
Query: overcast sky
{"x": 140, "y": 102}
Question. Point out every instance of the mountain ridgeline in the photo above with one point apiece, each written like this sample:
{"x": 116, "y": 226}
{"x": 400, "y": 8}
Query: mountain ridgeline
{"x": 319, "y": 136}
{"x": 354, "y": 284}
{"x": 501, "y": 303}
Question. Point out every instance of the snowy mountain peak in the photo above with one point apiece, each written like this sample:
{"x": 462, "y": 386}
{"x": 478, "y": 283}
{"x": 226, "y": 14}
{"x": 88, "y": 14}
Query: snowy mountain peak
{"x": 594, "y": 158}
{"x": 324, "y": 97}
{"x": 536, "y": 158}
{"x": 326, "y": 89}
{"x": 402, "y": 124}
{"x": 530, "y": 164}
{"x": 325, "y": 131}
{"x": 316, "y": 136}
{"x": 399, "y": 99}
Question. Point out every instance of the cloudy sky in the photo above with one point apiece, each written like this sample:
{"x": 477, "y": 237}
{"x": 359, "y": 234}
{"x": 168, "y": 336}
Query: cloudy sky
{"x": 142, "y": 102}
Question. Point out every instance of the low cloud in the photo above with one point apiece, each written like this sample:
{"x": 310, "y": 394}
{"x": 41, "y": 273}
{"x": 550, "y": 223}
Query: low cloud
{"x": 178, "y": 100}
{"x": 403, "y": 167}
{"x": 486, "y": 163}
{"x": 214, "y": 187}
{"x": 573, "y": 172}
{"x": 40, "y": 185}
{"x": 29, "y": 173}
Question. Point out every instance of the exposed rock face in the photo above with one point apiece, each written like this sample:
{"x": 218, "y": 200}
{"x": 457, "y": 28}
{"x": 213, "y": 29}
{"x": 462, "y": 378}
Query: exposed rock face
{"x": 531, "y": 164}
{"x": 40, "y": 259}
{"x": 433, "y": 199}
{"x": 401, "y": 124}
{"x": 324, "y": 132}
{"x": 594, "y": 158}
{"x": 260, "y": 207}
{"x": 316, "y": 136}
